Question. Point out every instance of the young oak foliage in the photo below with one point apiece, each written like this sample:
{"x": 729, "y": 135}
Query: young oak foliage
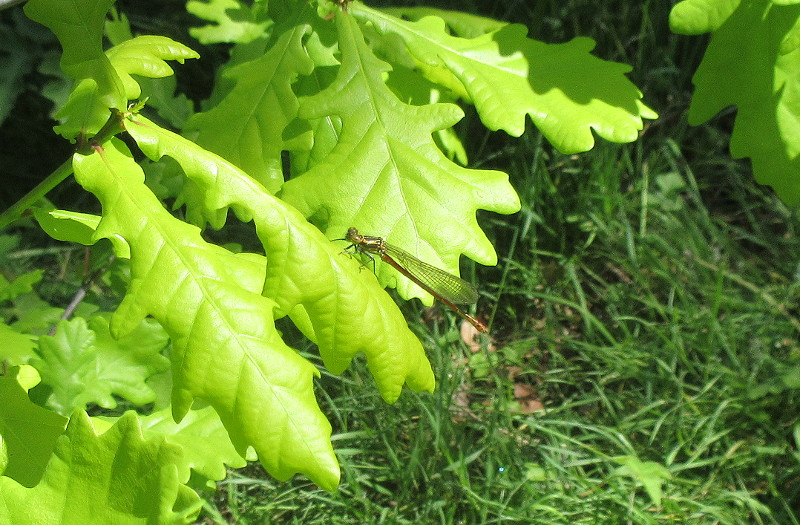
{"x": 246, "y": 126}
{"x": 373, "y": 164}
{"x": 325, "y": 292}
{"x": 79, "y": 28}
{"x": 82, "y": 364}
{"x": 225, "y": 346}
{"x": 27, "y": 431}
{"x": 206, "y": 445}
{"x": 760, "y": 78}
{"x": 566, "y": 91}
{"x": 387, "y": 175}
{"x": 104, "y": 77}
{"x": 117, "y": 477}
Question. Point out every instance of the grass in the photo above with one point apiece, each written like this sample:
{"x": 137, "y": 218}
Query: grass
{"x": 644, "y": 336}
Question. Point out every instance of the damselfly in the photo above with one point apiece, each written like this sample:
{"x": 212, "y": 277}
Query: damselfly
{"x": 445, "y": 287}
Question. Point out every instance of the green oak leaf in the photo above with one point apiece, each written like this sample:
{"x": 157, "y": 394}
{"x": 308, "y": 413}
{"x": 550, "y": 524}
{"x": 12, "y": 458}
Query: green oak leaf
{"x": 68, "y": 226}
{"x": 386, "y": 175}
{"x": 79, "y": 28}
{"x": 465, "y": 25}
{"x": 414, "y": 89}
{"x": 760, "y": 78}
{"x": 226, "y": 349}
{"x": 234, "y": 21}
{"x": 83, "y": 112}
{"x": 104, "y": 78}
{"x": 146, "y": 56}
{"x": 32, "y": 314}
{"x": 246, "y": 126}
{"x": 207, "y": 449}
{"x": 159, "y": 92}
{"x": 116, "y": 477}
{"x": 84, "y": 364}
{"x": 16, "y": 348}
{"x": 117, "y": 27}
{"x": 310, "y": 140}
{"x": 73, "y": 226}
{"x": 28, "y": 431}
{"x": 21, "y": 284}
{"x": 695, "y": 17}
{"x": 567, "y": 92}
{"x": 202, "y": 437}
{"x": 28, "y": 377}
{"x": 338, "y": 306}
{"x": 65, "y": 361}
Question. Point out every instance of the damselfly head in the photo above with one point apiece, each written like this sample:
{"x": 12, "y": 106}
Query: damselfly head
{"x": 353, "y": 235}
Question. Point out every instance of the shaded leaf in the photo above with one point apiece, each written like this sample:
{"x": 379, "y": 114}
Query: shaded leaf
{"x": 234, "y": 21}
{"x": 16, "y": 348}
{"x": 414, "y": 89}
{"x": 22, "y": 284}
{"x": 28, "y": 432}
{"x": 759, "y": 78}
{"x": 200, "y": 435}
{"x": 116, "y": 477}
{"x": 17, "y": 62}
{"x": 73, "y": 226}
{"x": 207, "y": 449}
{"x": 84, "y": 364}
{"x": 67, "y": 226}
{"x": 79, "y": 28}
{"x": 310, "y": 140}
{"x": 63, "y": 360}
{"x": 104, "y": 78}
{"x": 33, "y": 315}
